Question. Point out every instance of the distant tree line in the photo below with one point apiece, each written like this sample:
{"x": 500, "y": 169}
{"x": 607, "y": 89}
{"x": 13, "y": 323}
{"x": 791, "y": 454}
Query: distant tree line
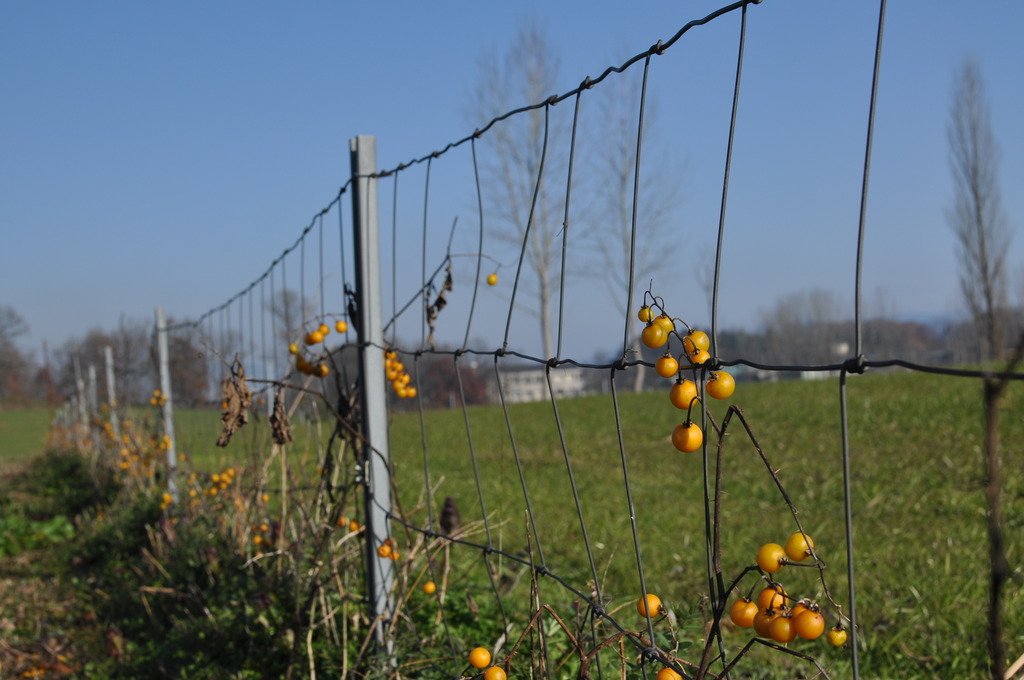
{"x": 807, "y": 329}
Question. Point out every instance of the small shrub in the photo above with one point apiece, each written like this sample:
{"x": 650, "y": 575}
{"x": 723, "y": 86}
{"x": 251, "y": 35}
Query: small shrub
{"x": 66, "y": 482}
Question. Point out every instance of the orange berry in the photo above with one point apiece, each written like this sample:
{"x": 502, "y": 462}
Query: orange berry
{"x": 837, "y": 636}
{"x": 654, "y": 336}
{"x": 797, "y": 546}
{"x": 772, "y": 597}
{"x": 665, "y": 322}
{"x": 743, "y": 612}
{"x": 781, "y": 628}
{"x": 649, "y": 604}
{"x": 696, "y": 341}
{"x": 683, "y": 393}
{"x": 495, "y": 672}
{"x": 666, "y": 366}
{"x": 809, "y": 625}
{"x": 479, "y": 658}
{"x": 700, "y": 358}
{"x": 762, "y": 623}
{"x": 687, "y": 437}
{"x": 771, "y": 557}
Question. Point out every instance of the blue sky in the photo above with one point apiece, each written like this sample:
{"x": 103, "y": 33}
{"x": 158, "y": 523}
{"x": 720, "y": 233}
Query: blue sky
{"x": 165, "y": 154}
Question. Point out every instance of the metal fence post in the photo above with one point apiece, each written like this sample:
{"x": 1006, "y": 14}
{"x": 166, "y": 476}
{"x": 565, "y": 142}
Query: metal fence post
{"x": 93, "y": 407}
{"x": 165, "y": 389}
{"x": 370, "y": 326}
{"x": 81, "y": 406}
{"x": 115, "y": 424}
{"x": 93, "y": 392}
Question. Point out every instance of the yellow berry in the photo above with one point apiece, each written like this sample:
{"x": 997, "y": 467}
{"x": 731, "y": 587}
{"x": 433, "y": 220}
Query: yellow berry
{"x": 797, "y": 547}
{"x": 771, "y": 557}
{"x": 649, "y": 605}
{"x": 479, "y": 658}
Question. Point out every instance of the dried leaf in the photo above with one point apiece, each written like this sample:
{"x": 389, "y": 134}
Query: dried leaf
{"x": 279, "y": 425}
{"x": 236, "y": 399}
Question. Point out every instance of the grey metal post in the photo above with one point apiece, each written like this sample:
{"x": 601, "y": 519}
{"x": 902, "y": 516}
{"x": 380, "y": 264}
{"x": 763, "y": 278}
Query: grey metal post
{"x": 115, "y": 424}
{"x": 94, "y": 407}
{"x": 80, "y": 404}
{"x": 94, "y": 401}
{"x": 370, "y": 326}
{"x": 165, "y": 388}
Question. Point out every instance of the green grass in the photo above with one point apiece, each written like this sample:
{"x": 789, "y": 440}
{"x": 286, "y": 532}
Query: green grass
{"x": 920, "y": 539}
{"x": 196, "y": 432}
{"x": 23, "y": 433}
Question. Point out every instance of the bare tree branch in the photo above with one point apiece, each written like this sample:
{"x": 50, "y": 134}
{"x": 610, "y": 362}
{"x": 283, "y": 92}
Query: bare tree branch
{"x": 976, "y": 217}
{"x": 525, "y": 74}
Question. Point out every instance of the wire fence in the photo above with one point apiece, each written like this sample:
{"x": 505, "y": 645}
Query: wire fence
{"x": 509, "y": 501}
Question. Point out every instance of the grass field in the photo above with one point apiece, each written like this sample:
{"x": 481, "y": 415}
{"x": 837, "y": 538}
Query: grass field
{"x": 919, "y": 515}
{"x": 920, "y": 541}
{"x": 23, "y": 432}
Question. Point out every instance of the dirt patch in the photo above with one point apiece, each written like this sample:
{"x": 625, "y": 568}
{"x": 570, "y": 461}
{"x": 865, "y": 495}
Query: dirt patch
{"x": 34, "y": 615}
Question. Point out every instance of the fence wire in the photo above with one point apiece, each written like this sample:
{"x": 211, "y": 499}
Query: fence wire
{"x": 260, "y": 342}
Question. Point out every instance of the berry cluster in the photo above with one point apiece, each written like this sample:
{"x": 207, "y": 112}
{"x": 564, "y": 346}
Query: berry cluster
{"x": 394, "y": 371}
{"x": 219, "y": 481}
{"x": 315, "y": 337}
{"x": 353, "y": 525}
{"x": 777, "y": 615}
{"x": 660, "y": 327}
{"x": 388, "y": 551}
{"x": 480, "y": 659}
{"x": 261, "y": 534}
{"x": 158, "y": 398}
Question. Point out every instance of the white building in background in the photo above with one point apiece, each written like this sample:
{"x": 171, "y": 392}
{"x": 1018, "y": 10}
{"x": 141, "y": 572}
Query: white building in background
{"x": 531, "y": 384}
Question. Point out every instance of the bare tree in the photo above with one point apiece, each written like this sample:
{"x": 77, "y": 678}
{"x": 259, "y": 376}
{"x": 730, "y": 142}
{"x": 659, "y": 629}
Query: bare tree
{"x": 1020, "y": 287}
{"x": 189, "y": 370}
{"x": 614, "y": 169}
{"x": 524, "y": 74}
{"x": 291, "y": 315}
{"x": 976, "y": 217}
{"x": 13, "y": 369}
{"x": 134, "y": 363}
{"x": 132, "y": 366}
